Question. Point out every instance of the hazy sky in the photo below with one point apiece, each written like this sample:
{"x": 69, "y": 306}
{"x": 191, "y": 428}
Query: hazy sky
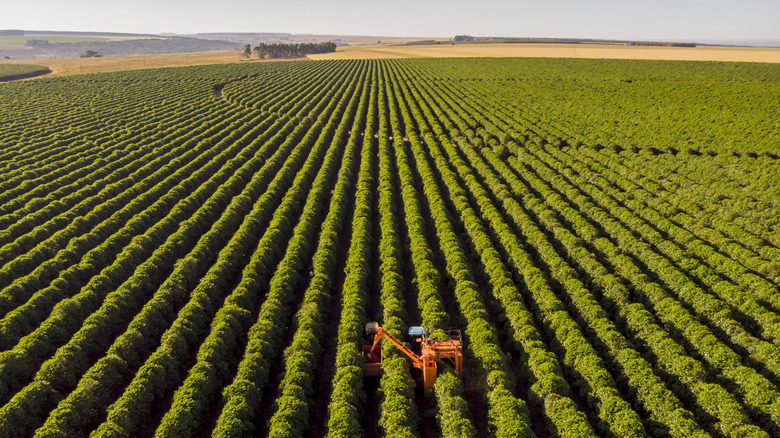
{"x": 619, "y": 19}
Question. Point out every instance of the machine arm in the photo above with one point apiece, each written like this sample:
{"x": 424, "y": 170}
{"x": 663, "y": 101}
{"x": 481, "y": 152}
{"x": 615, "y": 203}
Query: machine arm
{"x": 426, "y": 362}
{"x": 382, "y": 333}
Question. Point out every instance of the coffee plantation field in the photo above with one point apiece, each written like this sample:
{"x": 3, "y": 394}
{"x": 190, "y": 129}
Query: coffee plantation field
{"x": 195, "y": 251}
{"x": 9, "y": 72}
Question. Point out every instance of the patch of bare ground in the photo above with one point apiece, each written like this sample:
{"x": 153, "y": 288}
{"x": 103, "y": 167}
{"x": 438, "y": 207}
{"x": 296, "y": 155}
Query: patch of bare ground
{"x": 74, "y": 66}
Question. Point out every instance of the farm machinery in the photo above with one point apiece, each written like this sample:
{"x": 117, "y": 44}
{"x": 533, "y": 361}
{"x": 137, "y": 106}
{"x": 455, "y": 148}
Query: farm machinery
{"x": 421, "y": 349}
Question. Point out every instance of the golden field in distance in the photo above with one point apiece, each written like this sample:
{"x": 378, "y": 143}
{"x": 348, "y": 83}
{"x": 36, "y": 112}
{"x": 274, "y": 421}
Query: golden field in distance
{"x": 699, "y": 53}
{"x": 71, "y": 66}
{"x": 74, "y": 66}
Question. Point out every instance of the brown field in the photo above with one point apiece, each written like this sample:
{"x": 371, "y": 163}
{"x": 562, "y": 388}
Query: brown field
{"x": 71, "y": 66}
{"x": 74, "y": 66}
{"x": 701, "y": 53}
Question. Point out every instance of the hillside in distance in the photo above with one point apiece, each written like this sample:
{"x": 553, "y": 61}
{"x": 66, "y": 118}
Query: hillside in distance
{"x": 49, "y": 44}
{"x": 196, "y": 251}
{"x": 36, "y": 44}
{"x": 289, "y": 38}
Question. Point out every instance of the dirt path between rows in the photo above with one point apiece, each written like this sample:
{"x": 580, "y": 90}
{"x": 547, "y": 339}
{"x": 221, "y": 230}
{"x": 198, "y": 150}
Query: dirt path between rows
{"x": 219, "y": 87}
{"x": 218, "y": 91}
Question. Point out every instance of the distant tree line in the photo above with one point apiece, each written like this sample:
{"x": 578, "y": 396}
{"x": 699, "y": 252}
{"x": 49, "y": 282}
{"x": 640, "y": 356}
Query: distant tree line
{"x": 37, "y": 43}
{"x": 460, "y": 38}
{"x": 501, "y": 40}
{"x": 662, "y": 44}
{"x": 421, "y": 43}
{"x": 279, "y": 50}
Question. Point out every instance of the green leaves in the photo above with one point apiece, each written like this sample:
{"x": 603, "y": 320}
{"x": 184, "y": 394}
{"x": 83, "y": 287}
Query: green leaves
{"x": 609, "y": 255}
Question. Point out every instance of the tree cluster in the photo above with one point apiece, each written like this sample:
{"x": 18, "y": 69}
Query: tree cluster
{"x": 280, "y": 50}
{"x": 463, "y": 38}
{"x": 662, "y": 44}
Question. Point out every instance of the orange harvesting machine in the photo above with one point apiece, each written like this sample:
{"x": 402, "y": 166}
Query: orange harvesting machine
{"x": 421, "y": 349}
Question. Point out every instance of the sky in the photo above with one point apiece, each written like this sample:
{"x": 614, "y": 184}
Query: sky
{"x": 668, "y": 20}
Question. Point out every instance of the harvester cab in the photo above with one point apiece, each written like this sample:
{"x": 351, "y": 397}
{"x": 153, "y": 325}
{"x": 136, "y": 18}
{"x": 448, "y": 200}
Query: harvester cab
{"x": 417, "y": 336}
{"x": 422, "y": 350}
